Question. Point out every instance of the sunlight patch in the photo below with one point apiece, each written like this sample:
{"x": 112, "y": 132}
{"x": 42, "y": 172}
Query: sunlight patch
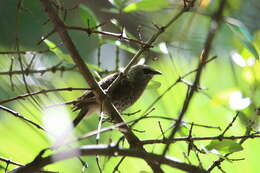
{"x": 57, "y": 123}
{"x": 240, "y": 61}
{"x": 237, "y": 102}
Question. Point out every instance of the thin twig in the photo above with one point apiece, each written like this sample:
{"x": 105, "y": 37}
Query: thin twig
{"x": 184, "y": 122}
{"x": 8, "y": 161}
{"x": 100, "y": 94}
{"x": 230, "y": 124}
{"x": 45, "y": 37}
{"x": 198, "y": 158}
{"x": 98, "y": 164}
{"x": 22, "y": 52}
{"x": 10, "y": 75}
{"x": 52, "y": 69}
{"x": 190, "y": 141}
{"x": 162, "y": 132}
{"x": 220, "y": 168}
{"x": 242, "y": 140}
{"x": 204, "y": 138}
{"x": 116, "y": 168}
{"x": 105, "y": 33}
{"x": 173, "y": 84}
{"x": 17, "y": 46}
{"x": 149, "y": 43}
{"x": 16, "y": 114}
{"x": 41, "y": 92}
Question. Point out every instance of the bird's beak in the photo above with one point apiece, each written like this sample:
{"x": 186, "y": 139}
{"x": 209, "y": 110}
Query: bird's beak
{"x": 156, "y": 72}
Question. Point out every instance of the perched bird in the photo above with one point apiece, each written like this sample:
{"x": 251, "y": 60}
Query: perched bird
{"x": 123, "y": 95}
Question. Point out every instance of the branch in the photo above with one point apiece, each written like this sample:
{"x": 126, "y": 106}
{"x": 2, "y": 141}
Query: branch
{"x": 41, "y": 71}
{"x": 22, "y": 52}
{"x": 110, "y": 34}
{"x": 40, "y": 92}
{"x": 149, "y": 43}
{"x": 230, "y": 124}
{"x": 173, "y": 84}
{"x": 8, "y": 161}
{"x": 16, "y": 114}
{"x": 156, "y": 35}
{"x": 174, "y": 119}
{"x": 100, "y": 94}
{"x": 215, "y": 24}
{"x": 105, "y": 150}
{"x": 187, "y": 138}
{"x": 217, "y": 162}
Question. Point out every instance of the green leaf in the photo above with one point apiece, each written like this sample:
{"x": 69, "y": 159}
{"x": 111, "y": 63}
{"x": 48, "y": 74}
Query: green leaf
{"x": 239, "y": 28}
{"x": 251, "y": 48}
{"x": 87, "y": 16}
{"x": 57, "y": 51}
{"x": 225, "y": 146}
{"x": 216, "y": 153}
{"x": 146, "y": 5}
{"x": 241, "y": 31}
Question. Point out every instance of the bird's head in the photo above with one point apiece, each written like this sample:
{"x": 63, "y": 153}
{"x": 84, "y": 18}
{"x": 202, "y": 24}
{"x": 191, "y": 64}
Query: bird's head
{"x": 142, "y": 73}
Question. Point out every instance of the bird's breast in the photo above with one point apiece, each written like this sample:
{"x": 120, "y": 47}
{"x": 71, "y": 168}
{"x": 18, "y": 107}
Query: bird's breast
{"x": 126, "y": 94}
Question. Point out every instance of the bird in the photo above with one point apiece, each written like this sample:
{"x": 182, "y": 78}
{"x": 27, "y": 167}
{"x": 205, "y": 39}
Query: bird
{"x": 124, "y": 94}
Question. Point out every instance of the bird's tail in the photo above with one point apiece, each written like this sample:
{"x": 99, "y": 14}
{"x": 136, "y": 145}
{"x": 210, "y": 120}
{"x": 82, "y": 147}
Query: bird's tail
{"x": 62, "y": 104}
{"x": 80, "y": 116}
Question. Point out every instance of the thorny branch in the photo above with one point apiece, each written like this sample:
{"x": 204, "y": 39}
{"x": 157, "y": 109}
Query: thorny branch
{"x": 41, "y": 92}
{"x": 8, "y": 161}
{"x": 150, "y": 42}
{"x": 17, "y": 46}
{"x": 22, "y": 52}
{"x": 28, "y": 71}
{"x": 105, "y": 33}
{"x": 180, "y": 79}
{"x": 248, "y": 133}
{"x": 215, "y": 25}
{"x": 118, "y": 125}
{"x": 16, "y": 114}
{"x": 105, "y": 150}
{"x": 136, "y": 144}
{"x": 102, "y": 98}
{"x": 187, "y": 138}
{"x": 61, "y": 29}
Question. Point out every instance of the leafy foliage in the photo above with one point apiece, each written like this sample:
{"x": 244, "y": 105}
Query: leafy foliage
{"x": 228, "y": 84}
{"x": 146, "y": 5}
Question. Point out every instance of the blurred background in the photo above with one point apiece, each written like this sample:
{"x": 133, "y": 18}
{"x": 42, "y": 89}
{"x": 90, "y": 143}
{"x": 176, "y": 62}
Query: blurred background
{"x": 229, "y": 83}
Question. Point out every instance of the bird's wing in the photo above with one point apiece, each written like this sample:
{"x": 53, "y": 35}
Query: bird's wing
{"x": 88, "y": 97}
{"x": 107, "y": 81}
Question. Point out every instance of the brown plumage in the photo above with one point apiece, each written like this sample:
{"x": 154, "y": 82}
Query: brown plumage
{"x": 123, "y": 95}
